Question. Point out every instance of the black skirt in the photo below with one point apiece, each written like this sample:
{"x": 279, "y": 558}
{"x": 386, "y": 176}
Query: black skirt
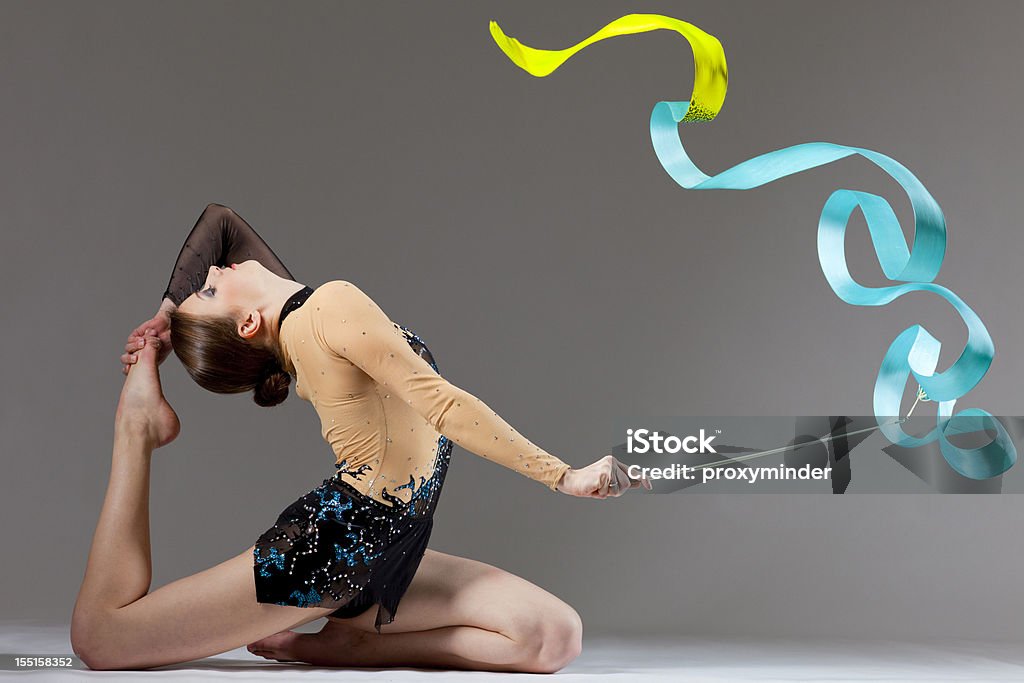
{"x": 337, "y": 547}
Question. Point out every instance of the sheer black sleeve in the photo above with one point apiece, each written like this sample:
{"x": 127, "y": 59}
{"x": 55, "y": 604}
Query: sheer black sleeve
{"x": 219, "y": 238}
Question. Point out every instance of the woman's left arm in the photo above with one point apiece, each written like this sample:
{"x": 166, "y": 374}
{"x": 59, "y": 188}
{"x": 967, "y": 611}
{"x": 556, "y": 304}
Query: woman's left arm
{"x": 352, "y": 326}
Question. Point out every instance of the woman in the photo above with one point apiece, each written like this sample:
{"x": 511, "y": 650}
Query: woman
{"x": 356, "y": 541}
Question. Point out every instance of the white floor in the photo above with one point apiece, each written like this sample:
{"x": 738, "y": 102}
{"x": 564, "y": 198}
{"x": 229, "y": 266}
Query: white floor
{"x": 603, "y": 659}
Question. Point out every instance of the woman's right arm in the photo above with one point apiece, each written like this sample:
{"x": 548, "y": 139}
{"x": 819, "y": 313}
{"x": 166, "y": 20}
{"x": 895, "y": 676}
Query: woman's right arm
{"x": 220, "y": 237}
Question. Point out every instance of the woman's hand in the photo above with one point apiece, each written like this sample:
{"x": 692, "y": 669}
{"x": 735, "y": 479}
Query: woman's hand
{"x": 606, "y": 477}
{"x": 159, "y": 326}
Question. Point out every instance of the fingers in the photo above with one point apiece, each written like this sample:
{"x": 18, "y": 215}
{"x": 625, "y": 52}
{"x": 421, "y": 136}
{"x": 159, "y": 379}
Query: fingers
{"x": 130, "y": 349}
{"x": 142, "y": 329}
{"x": 618, "y": 483}
{"x": 134, "y": 345}
{"x": 151, "y": 341}
{"x": 610, "y": 483}
{"x": 615, "y": 481}
{"x": 127, "y": 360}
{"x": 633, "y": 483}
{"x": 607, "y": 483}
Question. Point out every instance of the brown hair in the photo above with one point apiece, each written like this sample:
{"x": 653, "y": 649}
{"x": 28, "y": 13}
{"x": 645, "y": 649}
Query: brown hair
{"x": 221, "y": 361}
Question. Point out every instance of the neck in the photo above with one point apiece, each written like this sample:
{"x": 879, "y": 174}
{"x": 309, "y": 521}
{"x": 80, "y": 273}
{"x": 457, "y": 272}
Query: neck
{"x": 277, "y": 294}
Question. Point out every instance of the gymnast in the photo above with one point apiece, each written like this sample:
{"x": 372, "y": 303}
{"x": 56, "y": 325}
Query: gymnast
{"x": 239, "y": 322}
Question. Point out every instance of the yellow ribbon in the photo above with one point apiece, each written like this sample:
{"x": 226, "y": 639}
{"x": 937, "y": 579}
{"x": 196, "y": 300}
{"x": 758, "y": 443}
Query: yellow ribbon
{"x": 710, "y": 79}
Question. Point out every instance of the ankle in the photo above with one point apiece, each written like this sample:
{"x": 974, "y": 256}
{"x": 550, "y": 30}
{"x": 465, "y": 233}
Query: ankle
{"x": 133, "y": 434}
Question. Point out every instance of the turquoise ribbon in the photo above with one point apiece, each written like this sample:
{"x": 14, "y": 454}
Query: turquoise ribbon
{"x": 914, "y": 351}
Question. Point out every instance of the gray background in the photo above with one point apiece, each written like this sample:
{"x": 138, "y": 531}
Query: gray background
{"x": 525, "y": 229}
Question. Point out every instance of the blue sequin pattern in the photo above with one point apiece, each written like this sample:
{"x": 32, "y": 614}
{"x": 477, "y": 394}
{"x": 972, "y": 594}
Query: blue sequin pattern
{"x": 337, "y": 547}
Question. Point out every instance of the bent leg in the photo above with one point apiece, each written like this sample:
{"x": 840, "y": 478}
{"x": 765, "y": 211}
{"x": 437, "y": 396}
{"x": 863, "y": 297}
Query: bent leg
{"x": 115, "y": 624}
{"x": 197, "y": 616}
{"x": 457, "y": 613}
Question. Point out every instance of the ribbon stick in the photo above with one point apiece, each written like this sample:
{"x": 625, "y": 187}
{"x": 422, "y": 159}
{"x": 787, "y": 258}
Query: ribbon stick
{"x": 914, "y": 351}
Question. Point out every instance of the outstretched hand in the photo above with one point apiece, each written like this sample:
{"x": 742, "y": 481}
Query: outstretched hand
{"x": 607, "y": 477}
{"x": 158, "y": 326}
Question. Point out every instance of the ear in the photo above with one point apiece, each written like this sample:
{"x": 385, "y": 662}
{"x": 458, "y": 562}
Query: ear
{"x": 248, "y": 328}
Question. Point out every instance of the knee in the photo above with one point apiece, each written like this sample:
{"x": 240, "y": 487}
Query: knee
{"x": 95, "y": 661}
{"x": 99, "y": 657}
{"x": 552, "y": 640}
{"x": 84, "y": 642}
{"x": 90, "y": 645}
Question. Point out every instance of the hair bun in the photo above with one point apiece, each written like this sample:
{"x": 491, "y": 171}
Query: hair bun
{"x": 273, "y": 388}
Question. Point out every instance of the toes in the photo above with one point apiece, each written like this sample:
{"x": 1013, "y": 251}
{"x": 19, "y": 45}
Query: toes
{"x": 275, "y": 655}
{"x": 271, "y": 642}
{"x": 258, "y": 650}
{"x": 276, "y": 646}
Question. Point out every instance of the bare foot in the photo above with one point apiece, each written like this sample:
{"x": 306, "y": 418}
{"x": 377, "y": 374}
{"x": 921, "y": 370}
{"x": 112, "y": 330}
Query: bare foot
{"x": 336, "y": 644}
{"x": 278, "y": 646}
{"x": 142, "y": 408}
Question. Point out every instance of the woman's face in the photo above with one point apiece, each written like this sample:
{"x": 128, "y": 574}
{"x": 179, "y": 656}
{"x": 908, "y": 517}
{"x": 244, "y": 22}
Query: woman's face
{"x": 227, "y": 292}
